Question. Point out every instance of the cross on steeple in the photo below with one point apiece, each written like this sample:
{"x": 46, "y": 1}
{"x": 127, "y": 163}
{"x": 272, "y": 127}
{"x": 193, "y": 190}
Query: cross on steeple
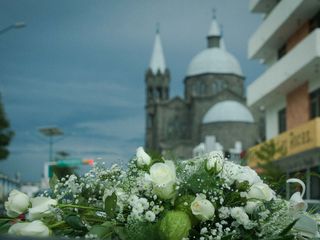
{"x": 214, "y": 12}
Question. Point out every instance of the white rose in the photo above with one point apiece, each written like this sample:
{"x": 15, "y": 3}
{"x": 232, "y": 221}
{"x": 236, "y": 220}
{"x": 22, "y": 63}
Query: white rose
{"x": 40, "y": 207}
{"x": 202, "y": 208}
{"x": 251, "y": 207}
{"x": 17, "y": 203}
{"x": 163, "y": 177}
{"x": 31, "y": 229}
{"x": 261, "y": 191}
{"x": 215, "y": 160}
{"x": 248, "y": 174}
{"x": 143, "y": 159}
{"x": 240, "y": 215}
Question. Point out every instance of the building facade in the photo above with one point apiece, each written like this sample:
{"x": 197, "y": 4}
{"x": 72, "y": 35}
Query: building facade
{"x": 287, "y": 42}
{"x": 213, "y": 109}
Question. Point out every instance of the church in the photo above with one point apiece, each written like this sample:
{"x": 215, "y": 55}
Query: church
{"x": 212, "y": 115}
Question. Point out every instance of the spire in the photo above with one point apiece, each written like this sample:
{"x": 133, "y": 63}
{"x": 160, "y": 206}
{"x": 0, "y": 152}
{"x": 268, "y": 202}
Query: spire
{"x": 214, "y": 30}
{"x": 214, "y": 34}
{"x": 157, "y": 61}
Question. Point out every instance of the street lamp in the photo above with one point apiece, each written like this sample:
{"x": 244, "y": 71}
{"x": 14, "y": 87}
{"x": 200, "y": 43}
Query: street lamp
{"x": 50, "y": 132}
{"x": 16, "y": 25}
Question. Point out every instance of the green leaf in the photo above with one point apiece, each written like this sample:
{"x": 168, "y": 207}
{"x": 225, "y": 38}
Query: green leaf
{"x": 75, "y": 222}
{"x": 53, "y": 181}
{"x": 121, "y": 232}
{"x": 4, "y": 226}
{"x": 285, "y": 231}
{"x": 103, "y": 231}
{"x": 110, "y": 205}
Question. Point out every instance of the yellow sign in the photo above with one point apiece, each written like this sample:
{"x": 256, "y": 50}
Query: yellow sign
{"x": 293, "y": 141}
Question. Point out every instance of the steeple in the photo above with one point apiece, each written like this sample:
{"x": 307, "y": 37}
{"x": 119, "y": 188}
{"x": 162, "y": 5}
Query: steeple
{"x": 214, "y": 34}
{"x": 157, "y": 62}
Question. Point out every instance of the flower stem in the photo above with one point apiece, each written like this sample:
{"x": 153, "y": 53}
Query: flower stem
{"x": 57, "y": 224}
{"x": 77, "y": 206}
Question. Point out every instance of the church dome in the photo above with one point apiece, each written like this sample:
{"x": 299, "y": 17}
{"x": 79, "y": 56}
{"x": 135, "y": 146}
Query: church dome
{"x": 214, "y": 60}
{"x": 228, "y": 111}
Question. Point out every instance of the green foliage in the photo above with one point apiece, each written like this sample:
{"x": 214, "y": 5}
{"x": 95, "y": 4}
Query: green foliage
{"x": 199, "y": 182}
{"x": 271, "y": 173}
{"x": 53, "y": 181}
{"x": 139, "y": 231}
{"x": 103, "y": 231}
{"x": 6, "y": 134}
{"x": 75, "y": 222}
{"x": 4, "y": 226}
{"x": 183, "y": 204}
{"x": 110, "y": 205}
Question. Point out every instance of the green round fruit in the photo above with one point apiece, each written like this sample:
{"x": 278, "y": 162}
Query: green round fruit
{"x": 175, "y": 225}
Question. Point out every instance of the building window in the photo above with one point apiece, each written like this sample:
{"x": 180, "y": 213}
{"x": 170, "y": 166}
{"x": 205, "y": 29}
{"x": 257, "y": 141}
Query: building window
{"x": 282, "y": 51}
{"x": 282, "y": 121}
{"x": 315, "y": 183}
{"x": 315, "y": 22}
{"x": 315, "y": 104}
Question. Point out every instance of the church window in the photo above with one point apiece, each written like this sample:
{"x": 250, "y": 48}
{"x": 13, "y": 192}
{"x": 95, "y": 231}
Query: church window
{"x": 159, "y": 93}
{"x": 150, "y": 93}
{"x": 202, "y": 89}
{"x": 149, "y": 121}
{"x": 218, "y": 86}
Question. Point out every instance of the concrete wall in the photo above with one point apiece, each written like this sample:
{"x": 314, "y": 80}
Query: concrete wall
{"x": 272, "y": 128}
{"x": 227, "y": 133}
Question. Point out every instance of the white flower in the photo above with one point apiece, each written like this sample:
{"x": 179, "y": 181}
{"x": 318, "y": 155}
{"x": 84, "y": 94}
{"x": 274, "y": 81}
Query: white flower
{"x": 250, "y": 207}
{"x": 143, "y": 159}
{"x": 224, "y": 212}
{"x": 144, "y": 203}
{"x": 240, "y": 215}
{"x": 150, "y": 216}
{"x": 202, "y": 208}
{"x": 40, "y": 207}
{"x": 31, "y": 229}
{"x": 17, "y": 203}
{"x": 215, "y": 160}
{"x": 163, "y": 177}
{"x": 261, "y": 191}
{"x": 248, "y": 174}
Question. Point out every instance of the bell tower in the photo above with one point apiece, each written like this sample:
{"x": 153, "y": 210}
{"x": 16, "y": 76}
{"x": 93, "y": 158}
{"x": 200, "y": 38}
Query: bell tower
{"x": 157, "y": 80}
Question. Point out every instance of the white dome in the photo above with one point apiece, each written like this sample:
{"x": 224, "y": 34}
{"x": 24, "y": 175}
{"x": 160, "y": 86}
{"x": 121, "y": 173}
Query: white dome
{"x": 228, "y": 111}
{"x": 214, "y": 60}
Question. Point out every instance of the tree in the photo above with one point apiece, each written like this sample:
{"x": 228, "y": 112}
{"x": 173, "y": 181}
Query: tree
{"x": 270, "y": 171}
{"x": 61, "y": 172}
{"x": 6, "y": 133}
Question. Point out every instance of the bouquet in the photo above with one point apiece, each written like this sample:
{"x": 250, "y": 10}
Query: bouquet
{"x": 206, "y": 197}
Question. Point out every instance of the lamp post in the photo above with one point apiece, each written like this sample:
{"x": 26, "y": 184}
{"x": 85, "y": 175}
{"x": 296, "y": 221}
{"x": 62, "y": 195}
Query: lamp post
{"x": 51, "y": 132}
{"x": 16, "y": 25}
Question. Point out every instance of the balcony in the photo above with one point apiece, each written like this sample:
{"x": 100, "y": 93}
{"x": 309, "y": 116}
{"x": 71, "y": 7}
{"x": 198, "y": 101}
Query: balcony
{"x": 262, "y": 6}
{"x": 293, "y": 142}
{"x": 300, "y": 64}
{"x": 286, "y": 17}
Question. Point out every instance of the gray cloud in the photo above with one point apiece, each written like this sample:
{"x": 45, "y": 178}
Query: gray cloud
{"x": 80, "y": 65}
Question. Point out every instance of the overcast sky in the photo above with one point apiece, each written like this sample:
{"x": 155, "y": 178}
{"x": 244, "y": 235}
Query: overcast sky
{"x": 80, "y": 65}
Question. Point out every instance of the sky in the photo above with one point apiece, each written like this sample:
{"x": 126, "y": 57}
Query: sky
{"x": 80, "y": 64}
